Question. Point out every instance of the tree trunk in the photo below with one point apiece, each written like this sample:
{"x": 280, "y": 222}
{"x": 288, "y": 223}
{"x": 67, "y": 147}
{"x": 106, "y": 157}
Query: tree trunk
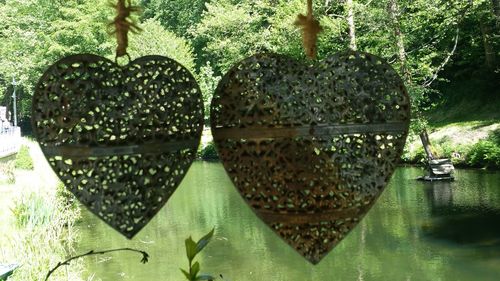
{"x": 496, "y": 11}
{"x": 352, "y": 26}
{"x": 489, "y": 52}
{"x": 424, "y": 137}
{"x": 393, "y": 10}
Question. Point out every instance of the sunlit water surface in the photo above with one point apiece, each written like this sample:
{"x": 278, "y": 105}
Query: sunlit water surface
{"x": 416, "y": 231}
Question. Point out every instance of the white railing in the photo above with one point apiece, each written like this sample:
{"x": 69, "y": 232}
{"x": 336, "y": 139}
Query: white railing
{"x": 10, "y": 140}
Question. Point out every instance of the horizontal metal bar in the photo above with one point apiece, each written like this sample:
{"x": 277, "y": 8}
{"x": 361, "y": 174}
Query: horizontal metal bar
{"x": 308, "y": 131}
{"x": 317, "y": 217}
{"x": 82, "y": 151}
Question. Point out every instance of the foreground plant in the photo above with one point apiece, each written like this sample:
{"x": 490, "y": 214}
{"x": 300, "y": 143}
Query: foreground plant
{"x": 145, "y": 258}
{"x": 192, "y": 249}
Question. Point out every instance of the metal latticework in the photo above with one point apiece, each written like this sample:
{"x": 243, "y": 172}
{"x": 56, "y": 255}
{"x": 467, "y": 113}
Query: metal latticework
{"x": 120, "y": 138}
{"x": 310, "y": 147}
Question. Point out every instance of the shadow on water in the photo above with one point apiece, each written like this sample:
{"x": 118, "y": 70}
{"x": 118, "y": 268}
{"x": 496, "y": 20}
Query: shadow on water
{"x": 474, "y": 222}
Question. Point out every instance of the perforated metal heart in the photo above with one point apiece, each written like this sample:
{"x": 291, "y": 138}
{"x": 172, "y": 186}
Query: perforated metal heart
{"x": 310, "y": 147}
{"x": 120, "y": 138}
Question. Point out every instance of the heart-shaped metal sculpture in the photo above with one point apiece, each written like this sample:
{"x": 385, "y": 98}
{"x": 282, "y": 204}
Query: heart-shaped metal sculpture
{"x": 120, "y": 138}
{"x": 310, "y": 147}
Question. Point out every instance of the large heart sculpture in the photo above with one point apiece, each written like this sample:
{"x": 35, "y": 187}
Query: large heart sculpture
{"x": 310, "y": 147}
{"x": 120, "y": 138}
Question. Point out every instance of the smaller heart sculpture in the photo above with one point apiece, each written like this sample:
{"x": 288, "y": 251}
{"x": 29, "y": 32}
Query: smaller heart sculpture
{"x": 120, "y": 138}
{"x": 310, "y": 147}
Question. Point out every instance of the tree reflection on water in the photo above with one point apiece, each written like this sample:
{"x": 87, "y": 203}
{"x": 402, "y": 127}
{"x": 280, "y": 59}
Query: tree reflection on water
{"x": 472, "y": 222}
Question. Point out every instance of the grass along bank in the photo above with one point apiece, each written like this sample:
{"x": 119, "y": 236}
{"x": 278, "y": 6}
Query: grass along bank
{"x": 37, "y": 220}
{"x": 474, "y": 144}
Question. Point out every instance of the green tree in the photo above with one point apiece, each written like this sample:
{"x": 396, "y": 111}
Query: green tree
{"x": 228, "y": 33}
{"x": 428, "y": 42}
{"x": 208, "y": 83}
{"x": 175, "y": 15}
{"x": 35, "y": 33}
{"x": 155, "y": 40}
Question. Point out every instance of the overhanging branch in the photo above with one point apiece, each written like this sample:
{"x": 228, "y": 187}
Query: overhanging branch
{"x": 431, "y": 80}
{"x": 145, "y": 258}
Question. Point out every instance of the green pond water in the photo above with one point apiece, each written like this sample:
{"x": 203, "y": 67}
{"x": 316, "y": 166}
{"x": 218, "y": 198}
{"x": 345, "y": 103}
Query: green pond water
{"x": 416, "y": 231}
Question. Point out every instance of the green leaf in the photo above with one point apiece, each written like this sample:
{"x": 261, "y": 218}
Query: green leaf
{"x": 195, "y": 269}
{"x": 204, "y": 241}
{"x": 188, "y": 277}
{"x": 190, "y": 249}
{"x": 205, "y": 277}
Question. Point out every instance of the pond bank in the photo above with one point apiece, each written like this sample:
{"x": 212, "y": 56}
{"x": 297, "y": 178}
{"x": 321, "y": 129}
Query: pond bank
{"x": 37, "y": 224}
{"x": 468, "y": 144}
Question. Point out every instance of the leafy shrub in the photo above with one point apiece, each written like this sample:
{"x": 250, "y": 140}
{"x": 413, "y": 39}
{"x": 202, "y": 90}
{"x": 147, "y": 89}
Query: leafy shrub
{"x": 485, "y": 153}
{"x": 209, "y": 152}
{"x": 495, "y": 137}
{"x": 406, "y": 157}
{"x": 451, "y": 151}
{"x": 23, "y": 159}
{"x": 416, "y": 156}
{"x": 419, "y": 155}
{"x": 68, "y": 200}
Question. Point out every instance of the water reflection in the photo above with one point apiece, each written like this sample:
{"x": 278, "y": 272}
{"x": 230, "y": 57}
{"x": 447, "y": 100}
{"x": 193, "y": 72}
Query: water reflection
{"x": 408, "y": 235}
{"x": 470, "y": 219}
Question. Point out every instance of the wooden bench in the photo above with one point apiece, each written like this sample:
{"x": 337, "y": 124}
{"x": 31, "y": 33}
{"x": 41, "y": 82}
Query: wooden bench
{"x": 439, "y": 169}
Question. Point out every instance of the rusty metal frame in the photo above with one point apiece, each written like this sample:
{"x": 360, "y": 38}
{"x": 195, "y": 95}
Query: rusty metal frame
{"x": 120, "y": 138}
{"x": 310, "y": 146}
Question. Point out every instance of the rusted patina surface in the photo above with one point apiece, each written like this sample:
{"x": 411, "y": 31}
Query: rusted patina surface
{"x": 120, "y": 138}
{"x": 310, "y": 147}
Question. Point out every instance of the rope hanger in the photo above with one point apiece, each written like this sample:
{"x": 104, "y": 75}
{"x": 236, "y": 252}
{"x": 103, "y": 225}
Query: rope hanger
{"x": 310, "y": 30}
{"x": 123, "y": 24}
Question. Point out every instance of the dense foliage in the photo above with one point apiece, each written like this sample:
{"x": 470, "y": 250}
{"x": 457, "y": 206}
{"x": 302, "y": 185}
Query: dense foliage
{"x": 23, "y": 159}
{"x": 426, "y": 41}
{"x": 485, "y": 153}
{"x": 208, "y": 152}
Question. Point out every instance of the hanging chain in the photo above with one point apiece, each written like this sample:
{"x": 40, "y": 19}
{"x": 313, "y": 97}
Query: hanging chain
{"x": 123, "y": 24}
{"x": 310, "y": 29}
